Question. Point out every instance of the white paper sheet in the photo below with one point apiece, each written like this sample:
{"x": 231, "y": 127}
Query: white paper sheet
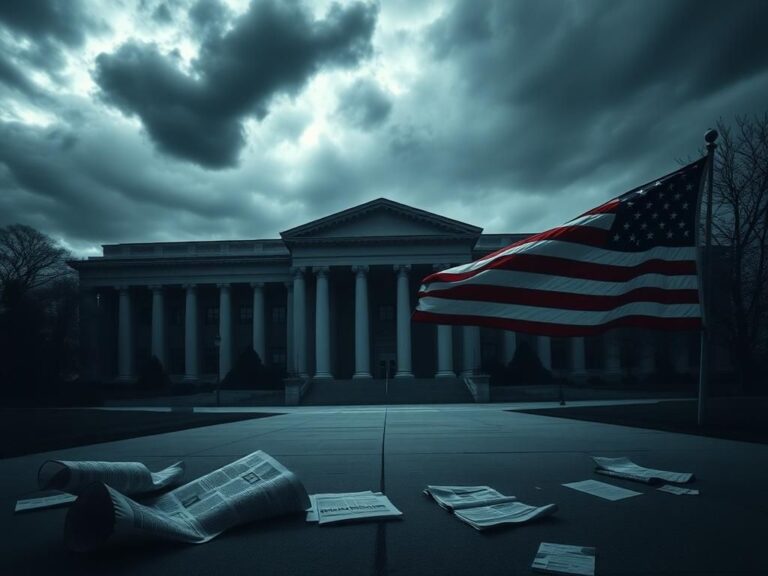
{"x": 602, "y": 490}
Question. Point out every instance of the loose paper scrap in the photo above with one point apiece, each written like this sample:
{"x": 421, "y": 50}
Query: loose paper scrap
{"x": 565, "y": 559}
{"x": 50, "y": 500}
{"x": 625, "y": 468}
{"x": 602, "y": 490}
{"x": 678, "y": 490}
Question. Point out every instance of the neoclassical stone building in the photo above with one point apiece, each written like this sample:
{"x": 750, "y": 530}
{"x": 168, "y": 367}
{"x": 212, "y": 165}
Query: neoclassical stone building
{"x": 330, "y": 299}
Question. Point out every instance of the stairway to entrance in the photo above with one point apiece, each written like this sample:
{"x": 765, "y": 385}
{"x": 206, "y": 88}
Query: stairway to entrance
{"x": 397, "y": 391}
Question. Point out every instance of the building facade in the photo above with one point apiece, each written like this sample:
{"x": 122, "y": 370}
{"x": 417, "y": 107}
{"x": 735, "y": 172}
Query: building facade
{"x": 331, "y": 299}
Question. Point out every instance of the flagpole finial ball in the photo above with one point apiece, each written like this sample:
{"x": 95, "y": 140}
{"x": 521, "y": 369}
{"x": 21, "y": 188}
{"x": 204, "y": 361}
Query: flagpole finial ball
{"x": 710, "y": 136}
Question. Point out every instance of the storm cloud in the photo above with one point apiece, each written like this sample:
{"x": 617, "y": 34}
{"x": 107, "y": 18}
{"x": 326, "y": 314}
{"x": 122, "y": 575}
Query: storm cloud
{"x": 272, "y": 49}
{"x": 203, "y": 119}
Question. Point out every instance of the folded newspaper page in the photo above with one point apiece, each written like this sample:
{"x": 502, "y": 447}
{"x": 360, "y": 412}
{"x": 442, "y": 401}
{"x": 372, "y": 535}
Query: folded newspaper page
{"x": 678, "y": 490}
{"x": 126, "y": 477}
{"x": 484, "y": 517}
{"x": 625, "y": 468}
{"x": 564, "y": 559}
{"x": 46, "y": 499}
{"x": 253, "y": 488}
{"x": 351, "y": 507}
{"x": 461, "y": 497}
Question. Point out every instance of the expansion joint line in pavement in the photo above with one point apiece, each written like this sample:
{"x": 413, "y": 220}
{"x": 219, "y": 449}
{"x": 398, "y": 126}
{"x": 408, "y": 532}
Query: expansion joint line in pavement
{"x": 380, "y": 566}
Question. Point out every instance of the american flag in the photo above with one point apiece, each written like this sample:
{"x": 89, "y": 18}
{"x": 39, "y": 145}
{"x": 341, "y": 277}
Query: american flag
{"x": 628, "y": 262}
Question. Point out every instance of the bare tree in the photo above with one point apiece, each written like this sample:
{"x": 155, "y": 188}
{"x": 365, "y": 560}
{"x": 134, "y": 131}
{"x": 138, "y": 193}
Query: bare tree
{"x": 29, "y": 259}
{"x": 740, "y": 226}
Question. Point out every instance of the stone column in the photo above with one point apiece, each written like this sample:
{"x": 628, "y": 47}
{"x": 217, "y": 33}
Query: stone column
{"x": 290, "y": 361}
{"x": 124, "y": 336}
{"x": 648, "y": 356}
{"x": 89, "y": 334}
{"x": 322, "y": 325}
{"x": 445, "y": 352}
{"x": 578, "y": 358}
{"x": 544, "y": 345}
{"x": 679, "y": 352}
{"x": 403, "y": 323}
{"x": 300, "y": 321}
{"x": 510, "y": 346}
{"x": 362, "y": 342}
{"x": 259, "y": 345}
{"x": 225, "y": 330}
{"x": 191, "y": 366}
{"x": 158, "y": 325}
{"x": 471, "y": 350}
{"x": 612, "y": 353}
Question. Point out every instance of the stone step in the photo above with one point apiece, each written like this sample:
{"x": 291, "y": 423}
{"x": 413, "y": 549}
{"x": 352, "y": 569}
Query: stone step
{"x": 394, "y": 391}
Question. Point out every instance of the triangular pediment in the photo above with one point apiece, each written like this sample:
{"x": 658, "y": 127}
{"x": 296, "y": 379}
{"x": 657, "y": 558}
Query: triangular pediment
{"x": 380, "y": 218}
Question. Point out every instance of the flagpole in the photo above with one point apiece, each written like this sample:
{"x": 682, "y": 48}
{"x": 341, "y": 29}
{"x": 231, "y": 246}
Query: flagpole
{"x": 706, "y": 332}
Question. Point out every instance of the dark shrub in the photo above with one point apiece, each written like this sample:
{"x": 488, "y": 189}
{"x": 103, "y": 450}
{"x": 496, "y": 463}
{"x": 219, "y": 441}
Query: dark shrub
{"x": 152, "y": 376}
{"x": 246, "y": 372}
{"x": 526, "y": 368}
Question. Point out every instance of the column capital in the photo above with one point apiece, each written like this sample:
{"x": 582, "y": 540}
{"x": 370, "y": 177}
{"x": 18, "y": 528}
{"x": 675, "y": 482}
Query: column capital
{"x": 360, "y": 268}
{"x": 189, "y": 286}
{"x": 441, "y": 267}
{"x": 155, "y": 287}
{"x": 122, "y": 287}
{"x": 222, "y": 285}
{"x": 402, "y": 268}
{"x": 297, "y": 271}
{"x": 321, "y": 270}
{"x": 257, "y": 285}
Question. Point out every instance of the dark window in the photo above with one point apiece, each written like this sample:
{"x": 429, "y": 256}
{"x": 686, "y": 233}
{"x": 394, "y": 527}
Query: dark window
{"x": 278, "y": 315}
{"x": 177, "y": 316}
{"x": 246, "y": 314}
{"x": 278, "y": 357}
{"x": 212, "y": 315}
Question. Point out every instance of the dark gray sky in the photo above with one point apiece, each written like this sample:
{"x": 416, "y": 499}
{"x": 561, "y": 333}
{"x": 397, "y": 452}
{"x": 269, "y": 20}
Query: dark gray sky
{"x": 163, "y": 120}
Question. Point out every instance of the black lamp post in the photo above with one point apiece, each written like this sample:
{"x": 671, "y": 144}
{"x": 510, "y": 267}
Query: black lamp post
{"x": 217, "y": 344}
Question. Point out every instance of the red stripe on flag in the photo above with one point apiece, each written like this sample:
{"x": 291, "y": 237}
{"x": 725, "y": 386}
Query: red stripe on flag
{"x": 575, "y": 269}
{"x": 564, "y": 300}
{"x": 560, "y": 330}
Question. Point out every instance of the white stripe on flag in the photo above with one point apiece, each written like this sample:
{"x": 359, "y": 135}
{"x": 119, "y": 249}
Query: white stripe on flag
{"x": 556, "y": 315}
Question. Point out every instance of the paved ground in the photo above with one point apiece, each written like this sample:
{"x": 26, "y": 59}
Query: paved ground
{"x": 402, "y": 449}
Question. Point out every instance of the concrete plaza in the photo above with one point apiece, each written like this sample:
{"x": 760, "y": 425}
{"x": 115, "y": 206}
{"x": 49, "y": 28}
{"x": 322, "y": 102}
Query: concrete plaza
{"x": 401, "y": 449}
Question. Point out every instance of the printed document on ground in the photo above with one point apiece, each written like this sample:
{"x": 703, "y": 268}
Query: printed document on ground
{"x": 564, "y": 559}
{"x": 127, "y": 477}
{"x": 460, "y": 497}
{"x": 625, "y": 468}
{"x": 484, "y": 517}
{"x": 351, "y": 507}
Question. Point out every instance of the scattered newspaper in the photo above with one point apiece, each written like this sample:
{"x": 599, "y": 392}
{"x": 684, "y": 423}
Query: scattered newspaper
{"x": 48, "y": 499}
{"x": 126, "y": 477}
{"x": 625, "y": 468}
{"x": 253, "y": 488}
{"x": 484, "y": 517}
{"x": 678, "y": 490}
{"x": 312, "y": 510}
{"x": 564, "y": 559}
{"x": 460, "y": 497}
{"x": 602, "y": 490}
{"x": 350, "y": 507}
